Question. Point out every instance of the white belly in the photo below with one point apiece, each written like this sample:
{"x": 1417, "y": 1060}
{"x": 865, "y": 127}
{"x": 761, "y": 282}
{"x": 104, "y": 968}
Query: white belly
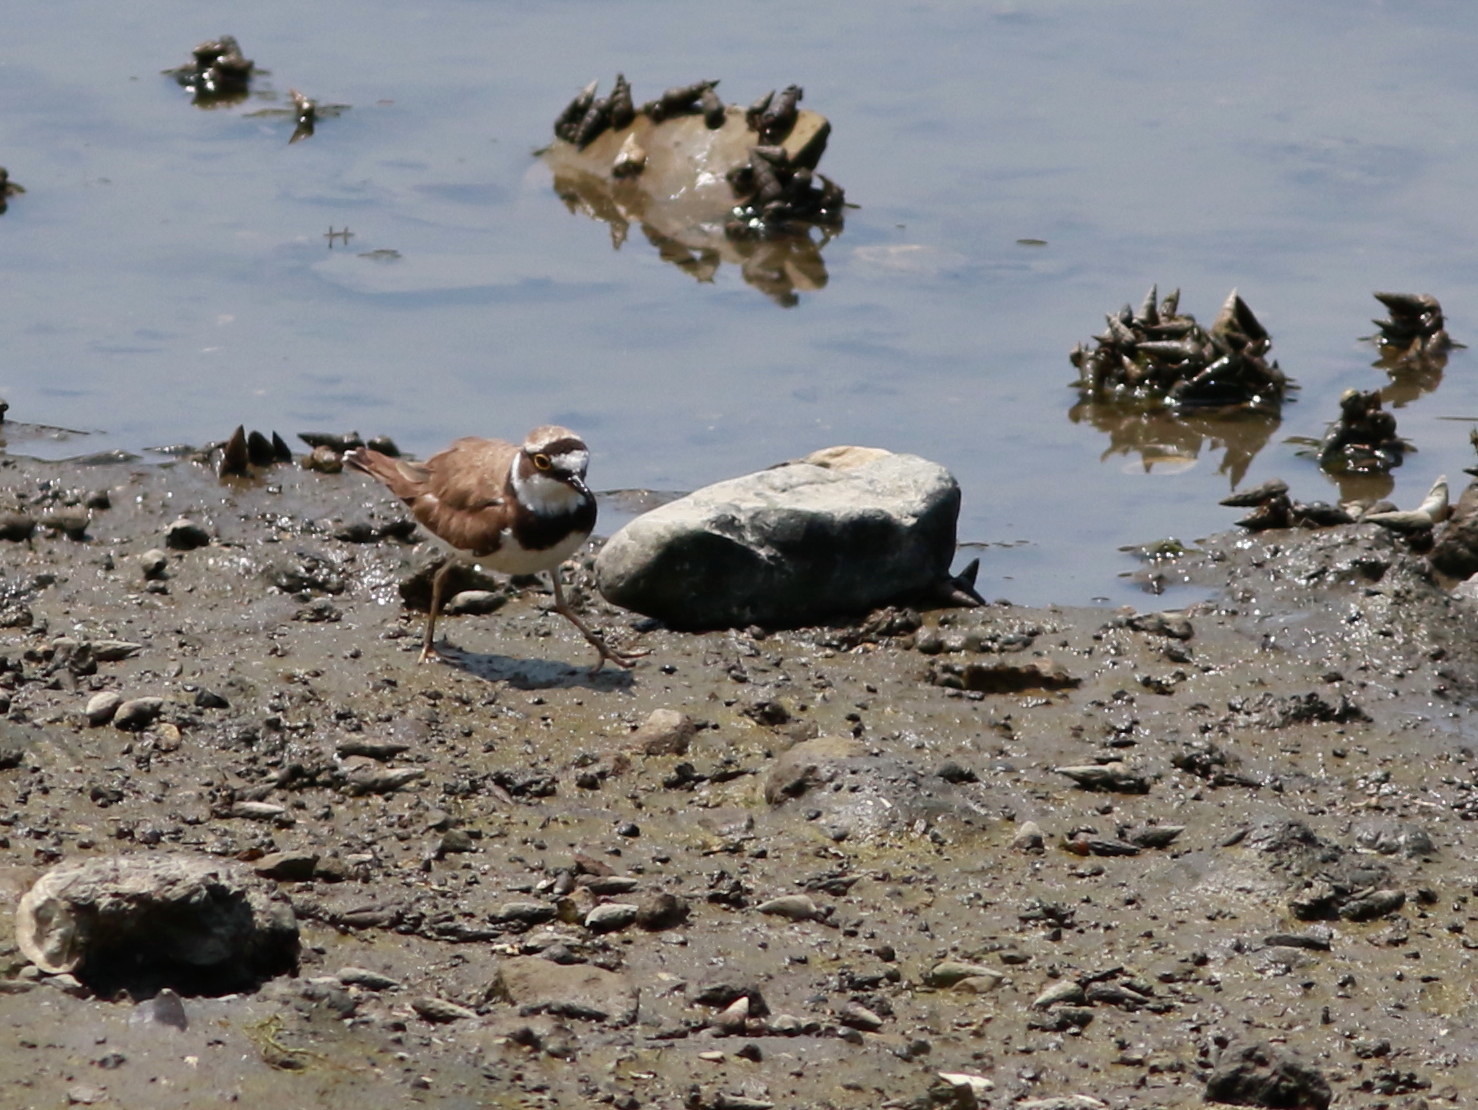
{"x": 512, "y": 559}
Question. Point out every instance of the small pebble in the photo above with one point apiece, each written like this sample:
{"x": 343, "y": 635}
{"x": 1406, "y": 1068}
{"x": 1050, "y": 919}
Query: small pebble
{"x": 794, "y": 907}
{"x": 153, "y": 564}
{"x": 137, "y": 714}
{"x": 185, "y": 535}
{"x": 101, "y": 707}
{"x": 610, "y": 916}
{"x": 439, "y": 1011}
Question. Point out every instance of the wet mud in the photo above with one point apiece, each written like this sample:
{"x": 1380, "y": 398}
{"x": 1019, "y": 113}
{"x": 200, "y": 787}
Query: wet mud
{"x": 1042, "y": 852}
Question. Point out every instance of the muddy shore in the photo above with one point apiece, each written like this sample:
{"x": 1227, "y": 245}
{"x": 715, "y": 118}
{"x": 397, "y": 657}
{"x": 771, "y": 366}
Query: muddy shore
{"x": 856, "y": 865}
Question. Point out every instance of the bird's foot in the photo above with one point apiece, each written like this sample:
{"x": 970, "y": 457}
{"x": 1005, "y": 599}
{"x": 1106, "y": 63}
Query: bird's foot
{"x": 626, "y": 659}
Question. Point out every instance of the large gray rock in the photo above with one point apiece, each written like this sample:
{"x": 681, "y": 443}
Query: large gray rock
{"x": 836, "y": 534}
{"x": 206, "y": 925}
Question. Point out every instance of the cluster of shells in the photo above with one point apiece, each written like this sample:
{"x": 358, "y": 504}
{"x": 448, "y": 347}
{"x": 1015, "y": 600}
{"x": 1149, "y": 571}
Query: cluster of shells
{"x": 1161, "y": 356}
{"x": 218, "y": 72}
{"x": 770, "y": 188}
{"x": 8, "y": 188}
{"x": 1446, "y": 533}
{"x": 1416, "y": 333}
{"x": 1363, "y": 440}
{"x": 245, "y": 454}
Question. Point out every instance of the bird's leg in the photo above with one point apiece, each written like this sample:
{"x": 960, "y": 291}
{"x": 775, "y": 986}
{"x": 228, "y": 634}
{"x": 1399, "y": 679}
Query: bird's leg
{"x": 594, "y": 639}
{"x": 438, "y": 586}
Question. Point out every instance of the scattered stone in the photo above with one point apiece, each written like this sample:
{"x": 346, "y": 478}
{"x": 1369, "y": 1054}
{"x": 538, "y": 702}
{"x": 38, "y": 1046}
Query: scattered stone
{"x": 439, "y": 1011}
{"x": 256, "y": 811}
{"x": 792, "y": 907}
{"x": 538, "y": 986}
{"x": 858, "y": 1016}
{"x": 185, "y": 535}
{"x": 291, "y": 867}
{"x": 1002, "y": 678}
{"x": 664, "y": 732}
{"x": 1028, "y": 837}
{"x": 363, "y": 977}
{"x": 204, "y": 925}
{"x": 1318, "y": 940}
{"x": 114, "y": 651}
{"x": 838, "y": 533}
{"x": 17, "y": 527}
{"x": 153, "y": 564}
{"x": 950, "y": 973}
{"x": 610, "y": 917}
{"x": 1115, "y": 777}
{"x": 473, "y": 603}
{"x": 1263, "y": 1074}
{"x": 165, "y": 1008}
{"x": 101, "y": 707}
{"x": 1063, "y": 991}
{"x": 365, "y": 776}
{"x": 1154, "y": 836}
{"x": 661, "y": 910}
{"x": 137, "y": 714}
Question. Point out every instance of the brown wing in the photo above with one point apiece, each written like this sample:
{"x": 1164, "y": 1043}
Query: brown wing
{"x": 464, "y": 498}
{"x": 471, "y": 474}
{"x": 457, "y": 494}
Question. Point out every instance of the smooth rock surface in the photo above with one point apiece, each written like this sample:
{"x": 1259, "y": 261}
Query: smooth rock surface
{"x": 836, "y": 534}
{"x": 204, "y": 924}
{"x": 539, "y": 986}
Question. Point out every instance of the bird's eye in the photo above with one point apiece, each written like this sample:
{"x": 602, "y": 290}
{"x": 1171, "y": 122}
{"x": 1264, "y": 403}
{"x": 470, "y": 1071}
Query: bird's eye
{"x": 541, "y": 462}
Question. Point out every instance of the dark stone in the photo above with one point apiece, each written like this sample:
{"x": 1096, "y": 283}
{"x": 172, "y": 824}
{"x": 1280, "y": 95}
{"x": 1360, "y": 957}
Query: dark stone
{"x": 1263, "y": 1074}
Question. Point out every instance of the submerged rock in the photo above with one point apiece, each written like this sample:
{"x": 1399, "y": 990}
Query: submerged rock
{"x": 836, "y": 534}
{"x": 139, "y": 921}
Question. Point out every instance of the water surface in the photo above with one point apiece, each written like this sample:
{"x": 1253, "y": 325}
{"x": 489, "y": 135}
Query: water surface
{"x": 167, "y": 275}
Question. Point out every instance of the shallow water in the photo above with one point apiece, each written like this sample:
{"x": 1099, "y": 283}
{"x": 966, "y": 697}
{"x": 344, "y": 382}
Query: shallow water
{"x": 167, "y": 274}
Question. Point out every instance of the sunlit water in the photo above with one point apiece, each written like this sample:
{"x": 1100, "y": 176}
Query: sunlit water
{"x": 167, "y": 274}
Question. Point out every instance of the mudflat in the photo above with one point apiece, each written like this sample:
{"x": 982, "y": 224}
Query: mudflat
{"x": 964, "y": 857}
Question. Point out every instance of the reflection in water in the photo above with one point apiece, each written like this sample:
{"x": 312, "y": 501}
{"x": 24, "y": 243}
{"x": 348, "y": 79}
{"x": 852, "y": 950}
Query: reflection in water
{"x": 1171, "y": 440}
{"x": 675, "y": 177}
{"x": 1410, "y": 380}
{"x": 778, "y": 266}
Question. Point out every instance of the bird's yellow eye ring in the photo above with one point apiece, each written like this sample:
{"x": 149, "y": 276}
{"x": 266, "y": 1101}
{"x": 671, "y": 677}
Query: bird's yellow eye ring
{"x": 541, "y": 462}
